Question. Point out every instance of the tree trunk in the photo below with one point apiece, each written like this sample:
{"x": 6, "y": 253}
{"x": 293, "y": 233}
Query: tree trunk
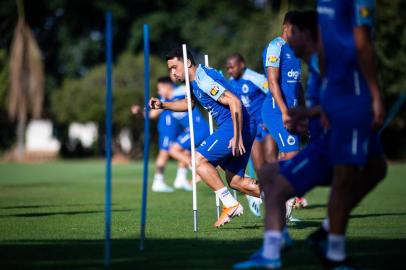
{"x": 20, "y": 138}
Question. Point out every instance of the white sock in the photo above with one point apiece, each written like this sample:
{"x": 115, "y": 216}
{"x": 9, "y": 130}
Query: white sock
{"x": 158, "y": 177}
{"x": 226, "y": 198}
{"x": 326, "y": 225}
{"x": 181, "y": 174}
{"x": 336, "y": 247}
{"x": 272, "y": 245}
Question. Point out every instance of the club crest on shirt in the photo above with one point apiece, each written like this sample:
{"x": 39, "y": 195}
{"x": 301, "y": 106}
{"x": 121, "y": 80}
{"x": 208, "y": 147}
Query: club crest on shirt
{"x": 214, "y": 90}
{"x": 291, "y": 140}
{"x": 273, "y": 59}
{"x": 245, "y": 88}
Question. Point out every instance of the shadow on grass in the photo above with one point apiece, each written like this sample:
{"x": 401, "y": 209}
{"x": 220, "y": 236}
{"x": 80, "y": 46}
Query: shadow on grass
{"x": 35, "y": 206}
{"x": 182, "y": 254}
{"x": 62, "y": 213}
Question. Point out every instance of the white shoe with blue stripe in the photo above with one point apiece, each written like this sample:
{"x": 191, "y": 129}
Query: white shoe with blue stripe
{"x": 259, "y": 262}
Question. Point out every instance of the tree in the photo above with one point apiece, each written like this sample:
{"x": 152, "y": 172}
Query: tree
{"x": 26, "y": 78}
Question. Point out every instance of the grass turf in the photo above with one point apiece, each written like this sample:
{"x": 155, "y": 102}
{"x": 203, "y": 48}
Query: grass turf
{"x": 52, "y": 217}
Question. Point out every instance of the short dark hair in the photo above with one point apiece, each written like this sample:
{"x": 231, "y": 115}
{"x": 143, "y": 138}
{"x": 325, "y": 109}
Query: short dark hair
{"x": 164, "y": 79}
{"x": 237, "y": 56}
{"x": 306, "y": 20}
{"x": 288, "y": 16}
{"x": 177, "y": 52}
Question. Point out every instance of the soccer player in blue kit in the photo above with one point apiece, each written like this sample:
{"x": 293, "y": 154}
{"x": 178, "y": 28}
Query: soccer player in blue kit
{"x": 168, "y": 130}
{"x": 229, "y": 146}
{"x": 311, "y": 167}
{"x": 252, "y": 88}
{"x": 282, "y": 70}
{"x": 351, "y": 99}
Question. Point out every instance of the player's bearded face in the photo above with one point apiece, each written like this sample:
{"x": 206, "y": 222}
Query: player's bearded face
{"x": 296, "y": 41}
{"x": 176, "y": 69}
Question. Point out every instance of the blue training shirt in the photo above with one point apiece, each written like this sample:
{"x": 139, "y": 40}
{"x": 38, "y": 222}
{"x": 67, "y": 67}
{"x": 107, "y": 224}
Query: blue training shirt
{"x": 279, "y": 54}
{"x": 313, "y": 95}
{"x": 251, "y": 88}
{"x": 207, "y": 87}
{"x": 344, "y": 85}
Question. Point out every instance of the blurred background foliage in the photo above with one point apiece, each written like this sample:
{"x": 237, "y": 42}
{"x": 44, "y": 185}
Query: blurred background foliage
{"x": 70, "y": 34}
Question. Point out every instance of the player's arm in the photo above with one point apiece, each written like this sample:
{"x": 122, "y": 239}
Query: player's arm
{"x": 176, "y": 106}
{"x": 230, "y": 100}
{"x": 274, "y": 87}
{"x": 366, "y": 60}
{"x": 136, "y": 109}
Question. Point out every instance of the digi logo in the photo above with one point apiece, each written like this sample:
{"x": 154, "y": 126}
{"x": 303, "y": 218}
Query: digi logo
{"x": 293, "y": 74}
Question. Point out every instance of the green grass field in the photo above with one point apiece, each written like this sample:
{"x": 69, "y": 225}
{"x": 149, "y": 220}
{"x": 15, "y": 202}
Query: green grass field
{"x": 52, "y": 217}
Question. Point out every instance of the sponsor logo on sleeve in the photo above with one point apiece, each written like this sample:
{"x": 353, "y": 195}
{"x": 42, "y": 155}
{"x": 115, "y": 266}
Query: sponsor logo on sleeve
{"x": 364, "y": 12}
{"x": 214, "y": 90}
{"x": 265, "y": 85}
{"x": 273, "y": 58}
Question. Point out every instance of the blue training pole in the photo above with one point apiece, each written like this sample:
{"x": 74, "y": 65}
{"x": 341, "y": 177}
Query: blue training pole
{"x": 393, "y": 111}
{"x": 251, "y": 171}
{"x": 146, "y": 137}
{"x": 109, "y": 112}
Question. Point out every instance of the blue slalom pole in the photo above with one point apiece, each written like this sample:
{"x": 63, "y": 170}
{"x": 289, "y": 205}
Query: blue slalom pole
{"x": 146, "y": 137}
{"x": 251, "y": 171}
{"x": 109, "y": 112}
{"x": 393, "y": 111}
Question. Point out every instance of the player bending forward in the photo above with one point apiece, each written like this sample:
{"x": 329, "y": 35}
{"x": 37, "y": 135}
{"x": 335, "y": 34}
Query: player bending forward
{"x": 229, "y": 146}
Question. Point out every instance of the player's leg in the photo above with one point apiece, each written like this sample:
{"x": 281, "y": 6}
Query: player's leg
{"x": 280, "y": 181}
{"x": 177, "y": 152}
{"x": 350, "y": 132}
{"x": 158, "y": 184}
{"x": 211, "y": 177}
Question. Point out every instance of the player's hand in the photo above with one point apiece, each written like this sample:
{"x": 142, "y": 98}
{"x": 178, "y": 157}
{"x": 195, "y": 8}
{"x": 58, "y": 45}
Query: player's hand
{"x": 379, "y": 112}
{"x": 263, "y": 127}
{"x": 298, "y": 123}
{"x": 155, "y": 104}
{"x": 237, "y": 146}
{"x": 324, "y": 121}
{"x": 135, "y": 109}
{"x": 286, "y": 120}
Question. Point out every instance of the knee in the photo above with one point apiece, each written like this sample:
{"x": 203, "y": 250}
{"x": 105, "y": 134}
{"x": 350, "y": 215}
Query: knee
{"x": 200, "y": 161}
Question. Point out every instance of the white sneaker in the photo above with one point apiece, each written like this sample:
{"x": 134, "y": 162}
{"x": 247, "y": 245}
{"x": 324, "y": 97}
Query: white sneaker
{"x": 289, "y": 208}
{"x": 255, "y": 205}
{"x": 160, "y": 186}
{"x": 182, "y": 184}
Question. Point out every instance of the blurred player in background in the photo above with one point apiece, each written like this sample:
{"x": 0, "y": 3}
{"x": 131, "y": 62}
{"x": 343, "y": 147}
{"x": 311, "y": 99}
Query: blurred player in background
{"x": 313, "y": 164}
{"x": 351, "y": 99}
{"x": 229, "y": 146}
{"x": 168, "y": 130}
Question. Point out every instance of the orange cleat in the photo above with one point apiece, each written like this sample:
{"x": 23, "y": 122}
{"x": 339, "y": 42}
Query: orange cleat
{"x": 229, "y": 213}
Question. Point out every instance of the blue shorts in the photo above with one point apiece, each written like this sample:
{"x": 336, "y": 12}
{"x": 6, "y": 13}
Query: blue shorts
{"x": 350, "y": 134}
{"x": 261, "y": 133}
{"x": 183, "y": 139}
{"x": 168, "y": 130}
{"x": 286, "y": 141}
{"x": 215, "y": 147}
{"x": 313, "y": 166}
{"x": 166, "y": 138}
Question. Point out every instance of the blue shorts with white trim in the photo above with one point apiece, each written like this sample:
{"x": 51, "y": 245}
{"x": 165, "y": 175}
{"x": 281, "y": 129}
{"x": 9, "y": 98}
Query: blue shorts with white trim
{"x": 215, "y": 147}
